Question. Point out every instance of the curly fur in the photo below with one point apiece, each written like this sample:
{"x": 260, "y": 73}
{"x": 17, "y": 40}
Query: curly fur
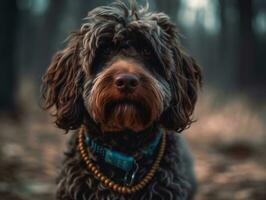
{"x": 79, "y": 88}
{"x": 172, "y": 181}
{"x": 69, "y": 66}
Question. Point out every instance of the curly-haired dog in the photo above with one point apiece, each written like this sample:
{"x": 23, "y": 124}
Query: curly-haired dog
{"x": 127, "y": 88}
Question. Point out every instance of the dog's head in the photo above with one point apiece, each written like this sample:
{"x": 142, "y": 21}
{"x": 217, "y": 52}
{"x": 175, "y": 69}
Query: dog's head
{"x": 124, "y": 68}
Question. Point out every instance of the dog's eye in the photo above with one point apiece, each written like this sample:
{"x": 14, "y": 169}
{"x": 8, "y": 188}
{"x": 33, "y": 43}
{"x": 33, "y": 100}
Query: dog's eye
{"x": 146, "y": 52}
{"x": 106, "y": 51}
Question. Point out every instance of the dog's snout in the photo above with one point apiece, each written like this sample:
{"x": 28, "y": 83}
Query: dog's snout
{"x": 127, "y": 82}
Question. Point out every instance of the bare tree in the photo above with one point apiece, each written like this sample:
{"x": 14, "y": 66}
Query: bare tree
{"x": 8, "y": 17}
{"x": 246, "y": 44}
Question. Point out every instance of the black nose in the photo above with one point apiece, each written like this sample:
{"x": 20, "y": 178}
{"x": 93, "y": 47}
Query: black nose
{"x": 126, "y": 82}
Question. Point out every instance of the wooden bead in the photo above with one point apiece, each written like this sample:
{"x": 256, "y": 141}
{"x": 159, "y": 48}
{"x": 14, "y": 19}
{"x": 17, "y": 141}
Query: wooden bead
{"x": 115, "y": 186}
{"x": 133, "y": 189}
{"x": 86, "y": 158}
{"x": 96, "y": 171}
{"x": 151, "y": 175}
{"x": 160, "y": 154}
{"x": 90, "y": 165}
{"x": 102, "y": 178}
{"x": 152, "y": 171}
{"x": 110, "y": 184}
{"x": 128, "y": 190}
{"x": 106, "y": 181}
{"x": 123, "y": 189}
{"x": 156, "y": 164}
{"x": 87, "y": 162}
{"x": 98, "y": 175}
{"x": 93, "y": 169}
{"x": 141, "y": 184}
{"x": 119, "y": 189}
{"x": 146, "y": 180}
{"x": 138, "y": 188}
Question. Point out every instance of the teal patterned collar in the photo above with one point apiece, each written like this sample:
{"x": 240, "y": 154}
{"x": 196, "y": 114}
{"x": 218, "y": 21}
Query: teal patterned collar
{"x": 117, "y": 159}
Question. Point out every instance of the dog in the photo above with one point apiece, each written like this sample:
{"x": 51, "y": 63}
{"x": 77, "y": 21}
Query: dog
{"x": 127, "y": 89}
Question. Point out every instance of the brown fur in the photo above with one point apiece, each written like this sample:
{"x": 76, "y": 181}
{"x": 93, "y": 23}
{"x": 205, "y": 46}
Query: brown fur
{"x": 79, "y": 88}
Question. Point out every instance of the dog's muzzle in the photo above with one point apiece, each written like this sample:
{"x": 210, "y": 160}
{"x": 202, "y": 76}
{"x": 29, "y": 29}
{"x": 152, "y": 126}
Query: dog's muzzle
{"x": 121, "y": 96}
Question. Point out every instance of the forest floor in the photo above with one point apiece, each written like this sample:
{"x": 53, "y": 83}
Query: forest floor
{"x": 228, "y": 142}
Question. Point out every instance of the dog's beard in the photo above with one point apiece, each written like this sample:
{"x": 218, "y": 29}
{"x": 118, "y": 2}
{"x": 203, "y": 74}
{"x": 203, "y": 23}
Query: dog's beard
{"x": 122, "y": 115}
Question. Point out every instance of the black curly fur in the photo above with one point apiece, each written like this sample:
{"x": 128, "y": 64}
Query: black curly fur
{"x": 173, "y": 180}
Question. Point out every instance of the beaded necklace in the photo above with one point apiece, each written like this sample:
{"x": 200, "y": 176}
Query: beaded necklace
{"x": 107, "y": 182}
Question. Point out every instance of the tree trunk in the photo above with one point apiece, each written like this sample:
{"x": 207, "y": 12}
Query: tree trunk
{"x": 48, "y": 33}
{"x": 246, "y": 45}
{"x": 8, "y": 17}
{"x": 223, "y": 32}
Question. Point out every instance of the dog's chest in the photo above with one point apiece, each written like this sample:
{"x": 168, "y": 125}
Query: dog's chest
{"x": 76, "y": 183}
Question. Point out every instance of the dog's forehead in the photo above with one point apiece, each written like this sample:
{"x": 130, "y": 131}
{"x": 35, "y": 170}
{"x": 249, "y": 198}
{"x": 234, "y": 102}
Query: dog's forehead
{"x": 135, "y": 32}
{"x": 117, "y": 21}
{"x": 117, "y": 26}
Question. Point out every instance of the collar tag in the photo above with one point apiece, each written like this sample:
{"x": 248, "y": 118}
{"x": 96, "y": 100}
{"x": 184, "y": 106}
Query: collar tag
{"x": 119, "y": 160}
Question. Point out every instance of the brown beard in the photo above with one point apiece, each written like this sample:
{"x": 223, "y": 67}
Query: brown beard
{"x": 118, "y": 114}
{"x": 125, "y": 115}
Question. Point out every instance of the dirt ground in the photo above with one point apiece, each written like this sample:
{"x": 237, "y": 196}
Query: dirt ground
{"x": 227, "y": 141}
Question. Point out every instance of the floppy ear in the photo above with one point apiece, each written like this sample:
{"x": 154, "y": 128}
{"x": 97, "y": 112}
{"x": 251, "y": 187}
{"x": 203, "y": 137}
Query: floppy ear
{"x": 185, "y": 80}
{"x": 61, "y": 86}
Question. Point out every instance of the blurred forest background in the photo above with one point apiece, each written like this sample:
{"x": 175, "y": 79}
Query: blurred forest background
{"x": 228, "y": 141}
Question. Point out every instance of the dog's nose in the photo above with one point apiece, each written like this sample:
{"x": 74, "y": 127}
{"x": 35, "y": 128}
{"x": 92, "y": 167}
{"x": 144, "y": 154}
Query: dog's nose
{"x": 126, "y": 82}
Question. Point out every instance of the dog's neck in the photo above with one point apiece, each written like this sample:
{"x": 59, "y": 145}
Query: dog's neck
{"x": 126, "y": 141}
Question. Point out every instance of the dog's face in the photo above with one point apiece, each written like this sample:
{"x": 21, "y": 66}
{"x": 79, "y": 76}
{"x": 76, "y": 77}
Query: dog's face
{"x": 126, "y": 92}
{"x": 125, "y": 70}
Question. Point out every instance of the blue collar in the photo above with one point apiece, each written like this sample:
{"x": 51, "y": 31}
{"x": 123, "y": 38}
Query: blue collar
{"x": 118, "y": 159}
